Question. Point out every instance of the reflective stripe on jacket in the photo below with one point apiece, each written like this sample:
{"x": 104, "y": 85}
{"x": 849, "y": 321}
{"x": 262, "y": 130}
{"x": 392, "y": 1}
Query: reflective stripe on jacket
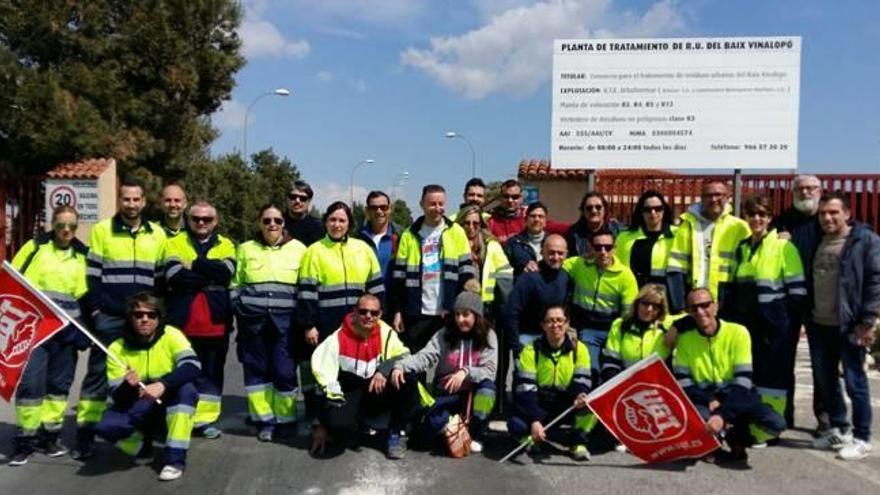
{"x": 122, "y": 262}
{"x": 599, "y": 296}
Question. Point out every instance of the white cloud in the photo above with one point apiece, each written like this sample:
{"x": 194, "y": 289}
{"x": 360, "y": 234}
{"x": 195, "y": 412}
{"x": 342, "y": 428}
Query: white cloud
{"x": 328, "y": 192}
{"x": 260, "y": 38}
{"x": 230, "y": 116}
{"x": 379, "y": 12}
{"x": 324, "y": 76}
{"x": 512, "y": 53}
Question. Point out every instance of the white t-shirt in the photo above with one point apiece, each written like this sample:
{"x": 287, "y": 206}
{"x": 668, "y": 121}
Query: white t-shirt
{"x": 432, "y": 269}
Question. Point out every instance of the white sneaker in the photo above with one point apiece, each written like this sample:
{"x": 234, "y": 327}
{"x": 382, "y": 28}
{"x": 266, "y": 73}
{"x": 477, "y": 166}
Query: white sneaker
{"x": 832, "y": 439}
{"x": 855, "y": 450}
{"x": 620, "y": 448}
{"x": 170, "y": 473}
{"x": 476, "y": 446}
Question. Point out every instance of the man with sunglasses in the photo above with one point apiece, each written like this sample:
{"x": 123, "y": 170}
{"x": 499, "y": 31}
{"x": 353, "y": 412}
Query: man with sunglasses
{"x": 160, "y": 357}
{"x": 703, "y": 252}
{"x": 507, "y": 219}
{"x": 125, "y": 255}
{"x": 298, "y": 223}
{"x": 604, "y": 289}
{"x": 381, "y": 234}
{"x": 198, "y": 268}
{"x": 713, "y": 364}
{"x": 352, "y": 367}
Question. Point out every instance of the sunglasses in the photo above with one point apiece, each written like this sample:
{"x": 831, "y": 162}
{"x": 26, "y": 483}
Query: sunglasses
{"x": 195, "y": 219}
{"x": 594, "y": 207}
{"x": 651, "y": 305}
{"x": 369, "y": 312}
{"x": 472, "y": 224}
{"x": 602, "y": 248}
{"x": 152, "y": 315}
{"x": 302, "y": 198}
{"x": 762, "y": 214}
{"x": 652, "y": 209}
{"x": 551, "y": 321}
{"x": 62, "y": 226}
{"x": 693, "y": 308}
{"x": 511, "y": 196}
{"x": 271, "y": 220}
{"x": 378, "y": 207}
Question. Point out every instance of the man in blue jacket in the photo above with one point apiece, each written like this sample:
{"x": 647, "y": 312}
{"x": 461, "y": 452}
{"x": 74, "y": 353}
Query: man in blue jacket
{"x": 533, "y": 292}
{"x": 843, "y": 323}
{"x": 381, "y": 234}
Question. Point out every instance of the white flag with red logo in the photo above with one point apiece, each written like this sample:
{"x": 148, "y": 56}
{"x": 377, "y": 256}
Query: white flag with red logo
{"x": 27, "y": 319}
{"x": 649, "y": 413}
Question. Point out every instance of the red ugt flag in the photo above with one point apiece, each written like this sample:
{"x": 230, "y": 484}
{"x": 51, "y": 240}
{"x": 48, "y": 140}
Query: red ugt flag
{"x": 27, "y": 319}
{"x": 649, "y": 413}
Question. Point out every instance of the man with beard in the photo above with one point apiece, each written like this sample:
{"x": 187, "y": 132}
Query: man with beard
{"x": 124, "y": 259}
{"x": 800, "y": 223}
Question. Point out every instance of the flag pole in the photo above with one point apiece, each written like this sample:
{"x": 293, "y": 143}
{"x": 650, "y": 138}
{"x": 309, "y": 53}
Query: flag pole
{"x": 72, "y": 321}
{"x": 525, "y": 443}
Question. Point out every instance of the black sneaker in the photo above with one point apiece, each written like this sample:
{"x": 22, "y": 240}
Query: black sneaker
{"x": 83, "y": 451}
{"x": 21, "y": 455}
{"x": 51, "y": 446}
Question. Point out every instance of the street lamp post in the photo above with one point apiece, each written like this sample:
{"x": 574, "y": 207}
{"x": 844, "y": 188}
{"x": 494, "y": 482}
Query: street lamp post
{"x": 399, "y": 181}
{"x": 368, "y": 161}
{"x": 452, "y": 135}
{"x": 276, "y": 92}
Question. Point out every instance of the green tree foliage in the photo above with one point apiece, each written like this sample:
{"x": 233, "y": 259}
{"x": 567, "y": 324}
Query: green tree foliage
{"x": 135, "y": 81}
{"x": 401, "y": 214}
{"x": 238, "y": 191}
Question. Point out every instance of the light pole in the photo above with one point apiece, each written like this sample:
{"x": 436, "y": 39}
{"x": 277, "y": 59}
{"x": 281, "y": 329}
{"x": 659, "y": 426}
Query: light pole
{"x": 368, "y": 161}
{"x": 451, "y": 135}
{"x": 399, "y": 181}
{"x": 276, "y": 92}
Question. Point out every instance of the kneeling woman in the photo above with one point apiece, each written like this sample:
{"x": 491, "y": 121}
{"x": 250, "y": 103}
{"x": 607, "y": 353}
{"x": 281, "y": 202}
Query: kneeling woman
{"x": 466, "y": 353}
{"x": 638, "y": 335}
{"x": 161, "y": 357}
{"x": 552, "y": 374}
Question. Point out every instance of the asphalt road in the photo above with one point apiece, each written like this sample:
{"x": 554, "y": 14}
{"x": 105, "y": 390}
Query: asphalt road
{"x": 237, "y": 463}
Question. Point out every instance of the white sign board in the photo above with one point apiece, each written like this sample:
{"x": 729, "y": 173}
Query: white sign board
{"x": 80, "y": 194}
{"x": 676, "y": 103}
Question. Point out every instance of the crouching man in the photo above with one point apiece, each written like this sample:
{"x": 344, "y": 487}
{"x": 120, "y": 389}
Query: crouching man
{"x": 713, "y": 364}
{"x": 351, "y": 368}
{"x": 162, "y": 358}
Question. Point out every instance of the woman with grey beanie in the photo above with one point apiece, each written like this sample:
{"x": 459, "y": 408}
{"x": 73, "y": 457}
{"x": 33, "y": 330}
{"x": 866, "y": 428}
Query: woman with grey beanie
{"x": 466, "y": 353}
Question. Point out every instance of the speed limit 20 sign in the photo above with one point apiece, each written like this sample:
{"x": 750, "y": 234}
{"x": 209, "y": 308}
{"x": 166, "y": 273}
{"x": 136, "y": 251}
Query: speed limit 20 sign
{"x": 79, "y": 194}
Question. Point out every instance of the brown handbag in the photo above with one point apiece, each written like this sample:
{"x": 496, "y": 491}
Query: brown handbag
{"x": 458, "y": 438}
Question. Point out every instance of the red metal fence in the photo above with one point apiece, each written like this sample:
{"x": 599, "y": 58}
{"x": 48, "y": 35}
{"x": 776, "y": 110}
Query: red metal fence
{"x": 623, "y": 190}
{"x": 21, "y": 212}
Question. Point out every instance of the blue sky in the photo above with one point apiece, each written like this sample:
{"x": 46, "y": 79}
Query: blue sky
{"x": 385, "y": 79}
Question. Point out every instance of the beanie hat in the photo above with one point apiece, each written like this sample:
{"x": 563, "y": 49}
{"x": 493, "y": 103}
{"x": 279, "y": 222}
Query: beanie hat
{"x": 470, "y": 298}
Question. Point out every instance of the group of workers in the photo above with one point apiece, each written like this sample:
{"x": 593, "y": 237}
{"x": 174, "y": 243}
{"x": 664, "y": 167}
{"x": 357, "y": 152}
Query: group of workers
{"x": 357, "y": 317}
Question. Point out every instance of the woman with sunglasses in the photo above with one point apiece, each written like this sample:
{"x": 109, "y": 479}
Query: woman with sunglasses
{"x": 644, "y": 246}
{"x": 335, "y": 271}
{"x": 263, "y": 300}
{"x": 636, "y": 335}
{"x": 465, "y": 353}
{"x": 768, "y": 287}
{"x": 493, "y": 270}
{"x": 594, "y": 217}
{"x": 55, "y": 263}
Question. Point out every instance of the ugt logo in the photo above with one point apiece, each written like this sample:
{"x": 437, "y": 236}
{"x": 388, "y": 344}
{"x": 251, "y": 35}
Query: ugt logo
{"x": 649, "y": 413}
{"x": 18, "y": 328}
